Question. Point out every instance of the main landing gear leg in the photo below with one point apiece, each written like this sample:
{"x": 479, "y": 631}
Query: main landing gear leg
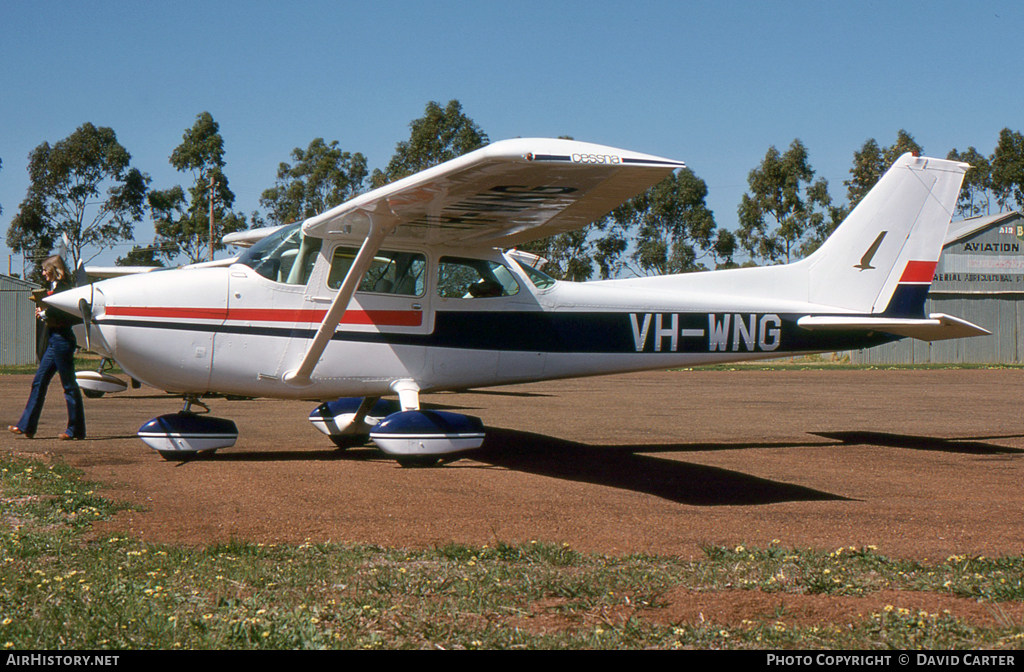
{"x": 191, "y": 399}
{"x": 348, "y": 421}
{"x": 356, "y": 437}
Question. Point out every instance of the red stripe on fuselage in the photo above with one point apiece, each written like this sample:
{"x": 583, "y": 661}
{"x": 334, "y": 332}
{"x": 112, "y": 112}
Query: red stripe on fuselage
{"x": 380, "y": 318}
{"x": 919, "y": 271}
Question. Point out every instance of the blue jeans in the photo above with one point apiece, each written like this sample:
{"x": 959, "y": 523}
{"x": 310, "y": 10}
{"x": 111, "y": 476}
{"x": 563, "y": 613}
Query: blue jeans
{"x": 58, "y": 358}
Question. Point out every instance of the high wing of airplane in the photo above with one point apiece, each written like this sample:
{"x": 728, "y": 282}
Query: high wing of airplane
{"x": 407, "y": 290}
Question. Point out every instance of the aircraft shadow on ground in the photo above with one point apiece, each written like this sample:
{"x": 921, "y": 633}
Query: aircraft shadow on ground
{"x": 617, "y": 466}
{"x": 969, "y": 446}
{"x": 507, "y": 393}
{"x": 325, "y": 454}
{"x": 629, "y": 468}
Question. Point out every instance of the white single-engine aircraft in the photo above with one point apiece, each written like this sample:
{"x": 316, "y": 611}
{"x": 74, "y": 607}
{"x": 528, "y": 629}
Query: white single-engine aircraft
{"x": 406, "y": 289}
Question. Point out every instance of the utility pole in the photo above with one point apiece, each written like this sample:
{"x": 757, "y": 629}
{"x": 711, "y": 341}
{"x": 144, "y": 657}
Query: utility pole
{"x": 213, "y": 181}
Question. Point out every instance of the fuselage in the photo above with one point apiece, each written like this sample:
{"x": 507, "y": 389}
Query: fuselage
{"x": 445, "y": 321}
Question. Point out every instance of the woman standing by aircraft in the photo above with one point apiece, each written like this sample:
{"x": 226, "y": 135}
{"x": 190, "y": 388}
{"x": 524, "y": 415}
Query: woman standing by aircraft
{"x": 58, "y": 357}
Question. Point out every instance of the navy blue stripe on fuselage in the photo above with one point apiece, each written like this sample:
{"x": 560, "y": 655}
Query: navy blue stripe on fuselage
{"x": 579, "y": 332}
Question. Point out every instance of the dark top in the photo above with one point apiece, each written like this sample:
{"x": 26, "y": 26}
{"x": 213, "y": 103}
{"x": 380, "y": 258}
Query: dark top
{"x": 57, "y": 319}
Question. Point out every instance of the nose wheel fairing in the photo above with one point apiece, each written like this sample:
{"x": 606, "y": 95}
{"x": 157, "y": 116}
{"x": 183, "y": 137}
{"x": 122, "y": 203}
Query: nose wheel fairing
{"x": 182, "y": 435}
{"x": 185, "y": 434}
{"x": 94, "y": 384}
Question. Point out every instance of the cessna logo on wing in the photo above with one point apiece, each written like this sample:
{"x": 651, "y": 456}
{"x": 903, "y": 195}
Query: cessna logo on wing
{"x": 595, "y": 158}
{"x": 729, "y": 332}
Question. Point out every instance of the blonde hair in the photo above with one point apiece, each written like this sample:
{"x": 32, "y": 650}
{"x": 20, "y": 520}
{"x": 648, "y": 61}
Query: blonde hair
{"x": 55, "y": 266}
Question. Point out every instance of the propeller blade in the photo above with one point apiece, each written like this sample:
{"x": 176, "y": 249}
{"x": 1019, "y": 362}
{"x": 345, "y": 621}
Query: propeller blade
{"x": 86, "y": 309}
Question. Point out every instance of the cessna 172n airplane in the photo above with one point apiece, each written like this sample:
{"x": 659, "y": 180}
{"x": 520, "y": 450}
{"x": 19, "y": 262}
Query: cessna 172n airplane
{"x": 406, "y": 290}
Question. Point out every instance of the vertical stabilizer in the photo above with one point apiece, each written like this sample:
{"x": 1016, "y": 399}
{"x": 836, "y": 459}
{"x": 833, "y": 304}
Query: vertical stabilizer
{"x": 881, "y": 259}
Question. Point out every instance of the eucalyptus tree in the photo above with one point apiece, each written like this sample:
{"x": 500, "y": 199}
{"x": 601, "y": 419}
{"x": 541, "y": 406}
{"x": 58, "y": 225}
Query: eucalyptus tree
{"x": 673, "y": 229}
{"x": 1008, "y": 169}
{"x": 976, "y": 194}
{"x": 182, "y": 220}
{"x": 319, "y": 178}
{"x": 441, "y": 134}
{"x": 140, "y": 255}
{"x": 783, "y": 214}
{"x": 82, "y": 189}
{"x": 871, "y": 161}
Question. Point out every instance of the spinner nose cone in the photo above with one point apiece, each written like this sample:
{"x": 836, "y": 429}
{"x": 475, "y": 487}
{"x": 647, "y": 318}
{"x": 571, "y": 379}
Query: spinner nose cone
{"x": 70, "y": 301}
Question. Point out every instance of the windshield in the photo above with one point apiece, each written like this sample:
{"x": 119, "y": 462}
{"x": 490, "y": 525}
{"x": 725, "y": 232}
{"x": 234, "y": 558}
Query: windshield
{"x": 539, "y": 279}
{"x": 285, "y": 256}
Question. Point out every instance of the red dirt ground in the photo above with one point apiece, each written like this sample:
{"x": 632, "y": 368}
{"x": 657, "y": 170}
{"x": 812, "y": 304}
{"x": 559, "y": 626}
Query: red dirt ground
{"x": 921, "y": 464}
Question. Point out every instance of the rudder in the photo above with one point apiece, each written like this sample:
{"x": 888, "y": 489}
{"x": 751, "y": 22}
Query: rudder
{"x": 882, "y": 258}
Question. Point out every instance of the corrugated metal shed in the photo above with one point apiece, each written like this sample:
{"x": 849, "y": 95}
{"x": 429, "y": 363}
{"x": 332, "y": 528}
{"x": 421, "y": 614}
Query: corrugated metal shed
{"x": 17, "y": 322}
{"x": 980, "y": 278}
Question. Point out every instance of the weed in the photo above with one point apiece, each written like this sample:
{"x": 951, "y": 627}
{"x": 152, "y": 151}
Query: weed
{"x": 58, "y": 590}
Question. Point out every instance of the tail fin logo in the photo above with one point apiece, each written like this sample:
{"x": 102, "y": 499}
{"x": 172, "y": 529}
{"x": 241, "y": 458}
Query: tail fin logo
{"x": 865, "y": 261}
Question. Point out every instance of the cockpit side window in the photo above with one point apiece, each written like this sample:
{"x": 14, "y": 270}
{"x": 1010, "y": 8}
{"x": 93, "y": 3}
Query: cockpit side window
{"x": 285, "y": 256}
{"x": 539, "y": 279}
{"x": 474, "y": 279}
{"x": 402, "y": 273}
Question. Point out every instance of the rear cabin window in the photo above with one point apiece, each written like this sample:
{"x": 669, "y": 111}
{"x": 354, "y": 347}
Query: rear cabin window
{"x": 459, "y": 278}
{"x": 401, "y": 273}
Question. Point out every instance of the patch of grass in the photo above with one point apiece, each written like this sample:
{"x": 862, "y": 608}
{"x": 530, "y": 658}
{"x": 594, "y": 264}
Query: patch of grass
{"x": 60, "y": 590}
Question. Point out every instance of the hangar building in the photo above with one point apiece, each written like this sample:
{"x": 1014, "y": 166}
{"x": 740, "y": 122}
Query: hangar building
{"x": 979, "y": 278}
{"x": 17, "y": 322}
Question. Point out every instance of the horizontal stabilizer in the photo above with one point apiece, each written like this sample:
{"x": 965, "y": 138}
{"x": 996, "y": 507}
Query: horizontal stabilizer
{"x": 936, "y": 327}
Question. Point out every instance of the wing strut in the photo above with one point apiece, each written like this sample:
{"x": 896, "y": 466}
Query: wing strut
{"x": 380, "y": 227}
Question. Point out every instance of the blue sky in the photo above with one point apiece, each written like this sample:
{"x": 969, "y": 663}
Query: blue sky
{"x": 711, "y": 83}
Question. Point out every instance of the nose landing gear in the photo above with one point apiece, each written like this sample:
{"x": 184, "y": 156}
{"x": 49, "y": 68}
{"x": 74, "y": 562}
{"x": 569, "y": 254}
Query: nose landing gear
{"x": 183, "y": 435}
